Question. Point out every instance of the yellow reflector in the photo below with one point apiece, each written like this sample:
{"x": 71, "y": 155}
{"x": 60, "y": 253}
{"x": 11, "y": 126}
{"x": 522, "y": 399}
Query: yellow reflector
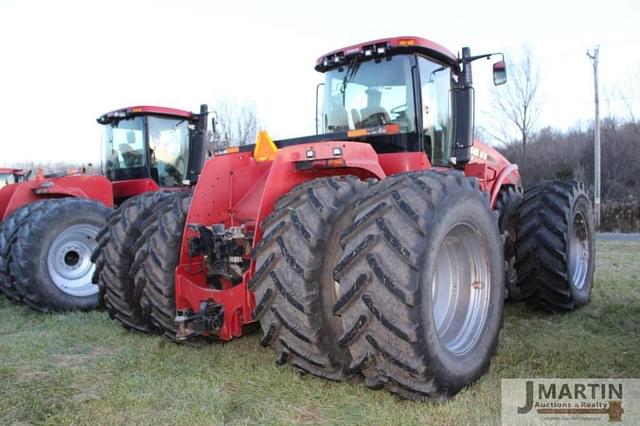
{"x": 265, "y": 149}
{"x": 357, "y": 132}
{"x": 406, "y": 42}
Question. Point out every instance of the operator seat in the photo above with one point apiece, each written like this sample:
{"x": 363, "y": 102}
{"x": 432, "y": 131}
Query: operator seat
{"x": 374, "y": 113}
{"x": 132, "y": 157}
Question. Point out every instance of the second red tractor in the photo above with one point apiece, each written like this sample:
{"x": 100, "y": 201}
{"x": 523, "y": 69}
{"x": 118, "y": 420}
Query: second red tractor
{"x": 382, "y": 247}
{"x": 48, "y": 225}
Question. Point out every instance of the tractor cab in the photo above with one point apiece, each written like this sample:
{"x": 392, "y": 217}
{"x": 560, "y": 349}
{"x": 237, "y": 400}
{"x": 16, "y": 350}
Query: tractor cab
{"x": 403, "y": 94}
{"x": 164, "y": 144}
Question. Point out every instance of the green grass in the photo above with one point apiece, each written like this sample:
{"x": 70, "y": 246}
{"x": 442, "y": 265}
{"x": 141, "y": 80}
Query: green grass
{"x": 83, "y": 368}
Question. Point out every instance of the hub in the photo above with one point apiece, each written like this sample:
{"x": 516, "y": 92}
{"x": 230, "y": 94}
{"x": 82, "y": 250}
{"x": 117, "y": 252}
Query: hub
{"x": 71, "y": 258}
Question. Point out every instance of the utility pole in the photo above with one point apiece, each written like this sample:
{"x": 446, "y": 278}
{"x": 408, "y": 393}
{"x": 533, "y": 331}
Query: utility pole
{"x": 596, "y": 137}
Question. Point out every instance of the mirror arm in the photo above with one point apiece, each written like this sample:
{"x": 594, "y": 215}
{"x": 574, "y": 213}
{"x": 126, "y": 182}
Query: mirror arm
{"x": 486, "y": 55}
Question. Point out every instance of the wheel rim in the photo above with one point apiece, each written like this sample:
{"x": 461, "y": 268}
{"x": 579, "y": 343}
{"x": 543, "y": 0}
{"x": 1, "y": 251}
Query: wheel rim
{"x": 579, "y": 251}
{"x": 461, "y": 289}
{"x": 69, "y": 260}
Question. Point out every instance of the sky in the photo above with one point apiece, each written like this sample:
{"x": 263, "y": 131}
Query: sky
{"x": 63, "y": 62}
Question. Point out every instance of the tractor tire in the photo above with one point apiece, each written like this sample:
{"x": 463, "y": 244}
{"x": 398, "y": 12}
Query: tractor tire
{"x": 507, "y": 205}
{"x": 554, "y": 247}
{"x": 8, "y": 234}
{"x": 114, "y": 256}
{"x": 422, "y": 288}
{"x": 51, "y": 255}
{"x": 157, "y": 256}
{"x": 293, "y": 283}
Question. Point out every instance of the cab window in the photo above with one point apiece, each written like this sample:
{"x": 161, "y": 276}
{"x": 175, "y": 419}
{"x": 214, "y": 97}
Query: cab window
{"x": 435, "y": 84}
{"x": 169, "y": 148}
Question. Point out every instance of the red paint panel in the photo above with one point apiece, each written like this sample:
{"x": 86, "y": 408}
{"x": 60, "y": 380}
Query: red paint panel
{"x": 133, "y": 187}
{"x": 403, "y": 162}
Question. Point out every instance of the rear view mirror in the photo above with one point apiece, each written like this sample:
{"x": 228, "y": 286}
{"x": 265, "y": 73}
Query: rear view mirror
{"x": 499, "y": 73}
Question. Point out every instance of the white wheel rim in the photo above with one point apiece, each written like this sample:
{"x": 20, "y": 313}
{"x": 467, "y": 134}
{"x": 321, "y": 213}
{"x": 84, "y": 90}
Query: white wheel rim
{"x": 69, "y": 260}
{"x": 461, "y": 289}
{"x": 579, "y": 251}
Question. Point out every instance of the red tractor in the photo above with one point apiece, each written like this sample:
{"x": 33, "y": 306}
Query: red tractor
{"x": 380, "y": 247}
{"x": 9, "y": 176}
{"x": 49, "y": 225}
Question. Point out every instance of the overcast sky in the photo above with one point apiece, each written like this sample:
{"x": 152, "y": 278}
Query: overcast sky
{"x": 63, "y": 63}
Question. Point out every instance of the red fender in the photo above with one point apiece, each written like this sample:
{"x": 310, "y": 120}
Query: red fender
{"x": 92, "y": 187}
{"x": 508, "y": 175}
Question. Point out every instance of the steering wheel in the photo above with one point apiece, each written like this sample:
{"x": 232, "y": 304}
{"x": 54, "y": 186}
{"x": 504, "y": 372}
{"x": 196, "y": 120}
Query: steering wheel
{"x": 377, "y": 119}
{"x": 399, "y": 109}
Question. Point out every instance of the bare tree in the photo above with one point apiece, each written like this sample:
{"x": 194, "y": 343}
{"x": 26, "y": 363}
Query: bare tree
{"x": 236, "y": 123}
{"x": 632, "y": 85}
{"x": 517, "y": 106}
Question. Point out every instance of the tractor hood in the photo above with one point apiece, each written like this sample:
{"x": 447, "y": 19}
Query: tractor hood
{"x": 484, "y": 153}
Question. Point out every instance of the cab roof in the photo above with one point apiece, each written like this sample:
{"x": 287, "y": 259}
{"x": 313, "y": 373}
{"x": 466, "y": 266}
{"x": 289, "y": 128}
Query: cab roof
{"x": 143, "y": 110}
{"x": 384, "y": 46}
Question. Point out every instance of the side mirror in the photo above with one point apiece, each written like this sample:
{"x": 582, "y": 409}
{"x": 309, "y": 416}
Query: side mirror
{"x": 499, "y": 73}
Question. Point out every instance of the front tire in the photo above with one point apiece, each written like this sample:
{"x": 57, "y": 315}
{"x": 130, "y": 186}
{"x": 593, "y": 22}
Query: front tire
{"x": 51, "y": 255}
{"x": 422, "y": 285}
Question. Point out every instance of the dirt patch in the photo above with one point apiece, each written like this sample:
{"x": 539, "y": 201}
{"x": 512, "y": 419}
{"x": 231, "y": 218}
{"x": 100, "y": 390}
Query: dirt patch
{"x": 230, "y": 387}
{"x": 31, "y": 376}
{"x": 308, "y": 415}
{"x": 79, "y": 358}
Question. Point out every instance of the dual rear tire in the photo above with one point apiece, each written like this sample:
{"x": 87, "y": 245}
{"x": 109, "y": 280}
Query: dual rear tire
{"x": 416, "y": 295}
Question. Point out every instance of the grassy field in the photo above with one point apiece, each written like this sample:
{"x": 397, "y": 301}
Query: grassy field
{"x": 85, "y": 369}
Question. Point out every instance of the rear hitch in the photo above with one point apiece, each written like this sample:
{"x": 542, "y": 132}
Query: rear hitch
{"x": 204, "y": 323}
{"x": 226, "y": 251}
